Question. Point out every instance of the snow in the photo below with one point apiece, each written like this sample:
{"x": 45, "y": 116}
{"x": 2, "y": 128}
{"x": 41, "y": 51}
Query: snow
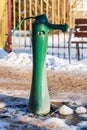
{"x": 17, "y": 59}
{"x": 65, "y": 110}
{"x": 81, "y": 110}
{"x": 52, "y": 62}
{"x": 59, "y": 124}
{"x": 52, "y": 121}
{"x": 2, "y": 105}
{"x": 23, "y": 57}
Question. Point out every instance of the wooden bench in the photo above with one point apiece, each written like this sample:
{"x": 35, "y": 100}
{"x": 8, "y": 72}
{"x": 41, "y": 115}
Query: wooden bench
{"x": 80, "y": 31}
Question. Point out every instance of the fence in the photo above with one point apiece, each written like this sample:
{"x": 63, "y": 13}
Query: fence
{"x": 57, "y": 11}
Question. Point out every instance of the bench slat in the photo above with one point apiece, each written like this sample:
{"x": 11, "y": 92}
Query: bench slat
{"x": 80, "y": 34}
{"x": 81, "y": 28}
{"x": 78, "y": 42}
{"x": 81, "y": 21}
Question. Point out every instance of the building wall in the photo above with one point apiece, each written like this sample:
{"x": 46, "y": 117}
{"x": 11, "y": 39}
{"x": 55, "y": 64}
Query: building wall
{"x": 3, "y": 22}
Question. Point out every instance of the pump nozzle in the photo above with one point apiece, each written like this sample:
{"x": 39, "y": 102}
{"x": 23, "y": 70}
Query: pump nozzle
{"x": 63, "y": 27}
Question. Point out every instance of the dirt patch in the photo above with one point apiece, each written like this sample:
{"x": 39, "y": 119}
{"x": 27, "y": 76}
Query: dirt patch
{"x": 58, "y": 83}
{"x": 21, "y": 80}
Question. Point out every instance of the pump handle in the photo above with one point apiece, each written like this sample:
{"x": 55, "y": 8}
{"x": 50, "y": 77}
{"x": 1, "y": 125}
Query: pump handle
{"x": 19, "y": 24}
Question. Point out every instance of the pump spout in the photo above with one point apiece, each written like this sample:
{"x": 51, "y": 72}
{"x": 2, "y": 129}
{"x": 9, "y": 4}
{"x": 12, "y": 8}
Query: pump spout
{"x": 63, "y": 27}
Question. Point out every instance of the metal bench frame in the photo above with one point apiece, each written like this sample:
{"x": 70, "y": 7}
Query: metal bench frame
{"x": 80, "y": 31}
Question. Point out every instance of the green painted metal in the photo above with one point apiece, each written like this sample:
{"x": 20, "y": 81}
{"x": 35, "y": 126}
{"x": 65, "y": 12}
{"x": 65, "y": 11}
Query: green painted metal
{"x": 39, "y": 102}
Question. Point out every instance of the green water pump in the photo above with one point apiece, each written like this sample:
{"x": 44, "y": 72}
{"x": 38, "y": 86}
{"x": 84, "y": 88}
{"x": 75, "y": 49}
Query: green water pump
{"x": 39, "y": 102}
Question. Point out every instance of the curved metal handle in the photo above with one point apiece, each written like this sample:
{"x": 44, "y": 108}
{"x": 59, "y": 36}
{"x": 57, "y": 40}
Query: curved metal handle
{"x": 19, "y": 24}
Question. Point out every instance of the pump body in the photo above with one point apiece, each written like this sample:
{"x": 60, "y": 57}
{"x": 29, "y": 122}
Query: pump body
{"x": 39, "y": 102}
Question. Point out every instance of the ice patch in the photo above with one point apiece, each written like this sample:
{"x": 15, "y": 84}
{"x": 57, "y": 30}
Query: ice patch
{"x": 81, "y": 125}
{"x": 4, "y": 125}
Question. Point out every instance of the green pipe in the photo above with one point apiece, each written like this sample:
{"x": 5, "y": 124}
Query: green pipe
{"x": 19, "y": 24}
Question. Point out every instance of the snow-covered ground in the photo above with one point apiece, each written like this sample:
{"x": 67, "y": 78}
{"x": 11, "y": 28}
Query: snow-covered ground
{"x": 23, "y": 59}
{"x": 14, "y": 108}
